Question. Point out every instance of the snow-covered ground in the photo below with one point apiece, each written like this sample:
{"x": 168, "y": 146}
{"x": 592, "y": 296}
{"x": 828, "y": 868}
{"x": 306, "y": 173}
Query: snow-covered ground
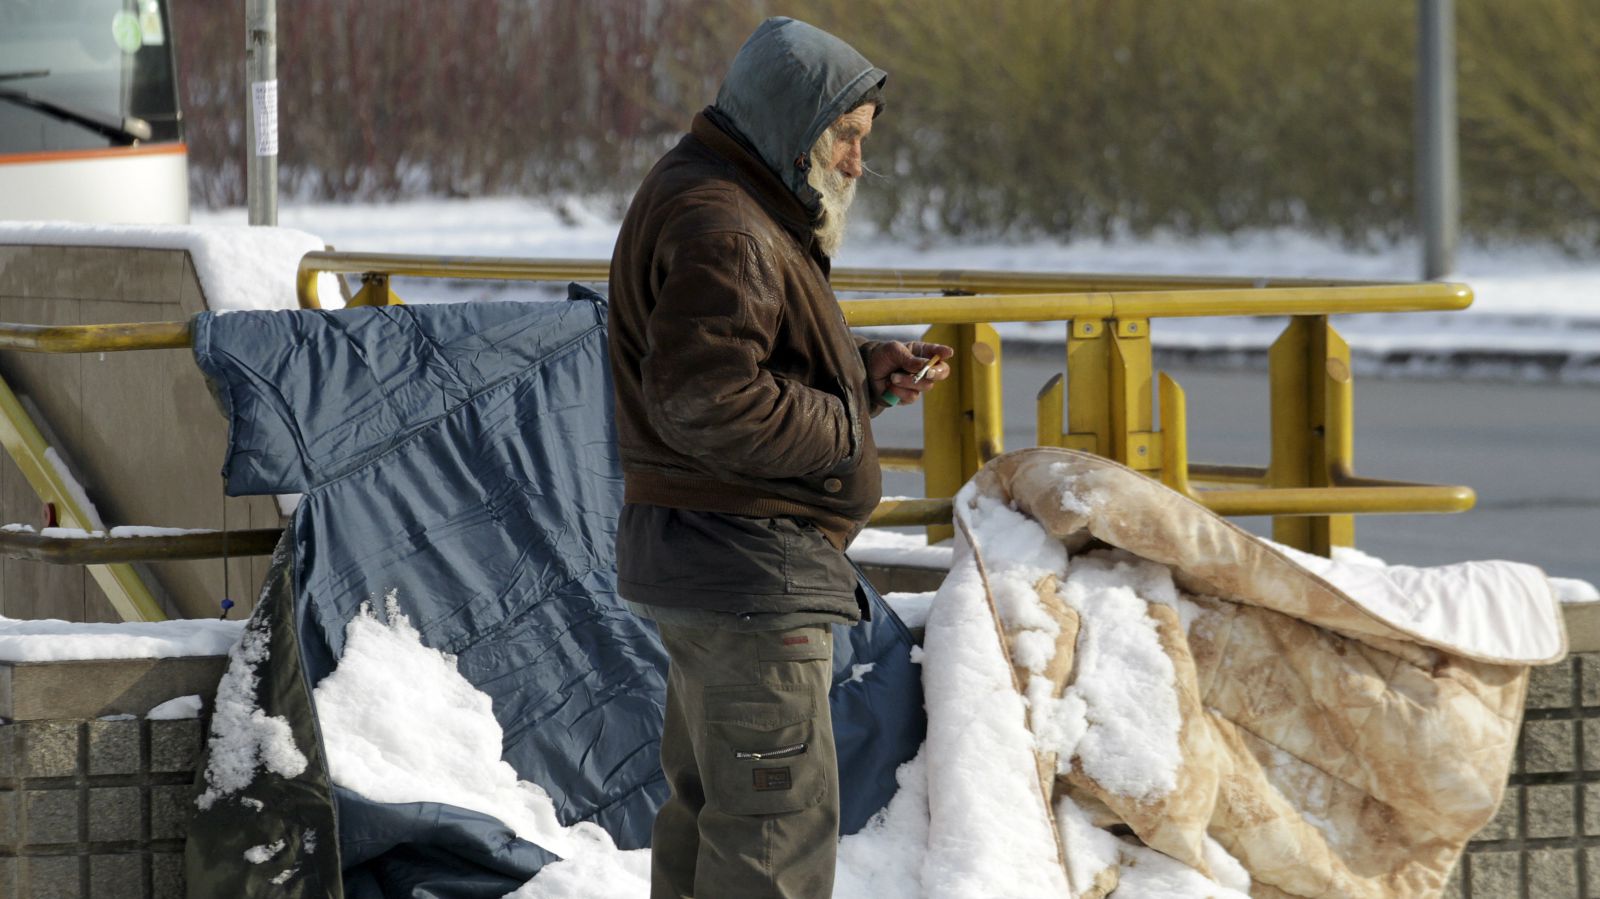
{"x": 1536, "y": 314}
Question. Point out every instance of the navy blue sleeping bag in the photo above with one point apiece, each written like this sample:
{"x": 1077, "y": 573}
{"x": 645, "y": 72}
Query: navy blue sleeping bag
{"x": 465, "y": 457}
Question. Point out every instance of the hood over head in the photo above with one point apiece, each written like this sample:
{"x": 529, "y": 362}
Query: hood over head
{"x": 789, "y": 82}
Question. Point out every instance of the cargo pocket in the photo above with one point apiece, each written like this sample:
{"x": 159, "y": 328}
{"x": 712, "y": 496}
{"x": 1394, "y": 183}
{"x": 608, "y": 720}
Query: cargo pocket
{"x": 761, "y": 750}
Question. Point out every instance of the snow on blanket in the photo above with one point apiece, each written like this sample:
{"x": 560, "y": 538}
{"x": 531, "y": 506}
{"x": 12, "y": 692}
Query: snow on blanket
{"x": 1056, "y": 726}
{"x": 1251, "y": 727}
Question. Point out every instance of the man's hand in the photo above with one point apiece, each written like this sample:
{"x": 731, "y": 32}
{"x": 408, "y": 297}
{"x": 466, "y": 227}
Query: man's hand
{"x": 892, "y": 369}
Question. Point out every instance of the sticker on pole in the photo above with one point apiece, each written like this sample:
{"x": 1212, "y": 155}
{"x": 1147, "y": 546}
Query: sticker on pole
{"x": 264, "y": 102}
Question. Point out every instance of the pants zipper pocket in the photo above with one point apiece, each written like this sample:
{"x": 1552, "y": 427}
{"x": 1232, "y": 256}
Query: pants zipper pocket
{"x": 783, "y": 753}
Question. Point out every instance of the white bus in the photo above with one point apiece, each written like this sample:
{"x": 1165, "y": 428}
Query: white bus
{"x": 90, "y": 129}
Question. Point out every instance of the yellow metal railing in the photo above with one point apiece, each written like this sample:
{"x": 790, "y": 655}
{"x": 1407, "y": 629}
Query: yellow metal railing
{"x": 1104, "y": 405}
{"x": 108, "y": 559}
{"x": 376, "y": 267}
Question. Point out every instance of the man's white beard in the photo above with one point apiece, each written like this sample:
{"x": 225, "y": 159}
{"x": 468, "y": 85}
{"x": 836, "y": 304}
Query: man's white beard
{"x": 837, "y": 190}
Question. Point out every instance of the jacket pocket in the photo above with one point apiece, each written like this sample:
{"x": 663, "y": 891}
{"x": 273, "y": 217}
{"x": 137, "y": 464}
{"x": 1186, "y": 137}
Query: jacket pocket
{"x": 810, "y": 563}
{"x": 761, "y": 752}
{"x": 853, "y": 419}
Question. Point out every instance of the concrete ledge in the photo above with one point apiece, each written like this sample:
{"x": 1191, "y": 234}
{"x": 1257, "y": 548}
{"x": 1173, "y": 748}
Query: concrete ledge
{"x": 35, "y": 691}
{"x": 1583, "y": 626}
{"x": 903, "y": 578}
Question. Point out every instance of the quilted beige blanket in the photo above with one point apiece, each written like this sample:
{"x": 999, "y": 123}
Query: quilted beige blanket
{"x": 1269, "y": 723}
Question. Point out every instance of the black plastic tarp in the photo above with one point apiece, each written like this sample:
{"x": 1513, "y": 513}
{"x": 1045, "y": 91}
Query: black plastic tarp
{"x": 463, "y": 456}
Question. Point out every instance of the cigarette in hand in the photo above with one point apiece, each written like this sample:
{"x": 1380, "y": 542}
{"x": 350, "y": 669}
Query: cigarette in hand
{"x": 890, "y": 398}
{"x": 926, "y": 368}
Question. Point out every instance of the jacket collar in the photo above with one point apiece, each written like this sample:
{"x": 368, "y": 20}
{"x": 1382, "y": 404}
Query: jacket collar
{"x": 773, "y": 195}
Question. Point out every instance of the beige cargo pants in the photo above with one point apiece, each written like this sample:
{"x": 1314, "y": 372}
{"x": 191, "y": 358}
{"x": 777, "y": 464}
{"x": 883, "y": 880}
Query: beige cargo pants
{"x": 748, "y": 751}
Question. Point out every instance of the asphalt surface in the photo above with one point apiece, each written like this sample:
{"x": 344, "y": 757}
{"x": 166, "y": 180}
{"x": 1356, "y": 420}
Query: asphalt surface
{"x": 1531, "y": 451}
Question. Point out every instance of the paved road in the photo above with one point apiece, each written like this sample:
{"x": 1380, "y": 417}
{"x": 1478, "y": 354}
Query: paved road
{"x": 1532, "y": 453}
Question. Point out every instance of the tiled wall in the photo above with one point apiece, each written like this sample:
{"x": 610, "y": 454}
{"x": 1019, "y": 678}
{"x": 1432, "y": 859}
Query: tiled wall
{"x": 95, "y": 808}
{"x": 1545, "y": 841}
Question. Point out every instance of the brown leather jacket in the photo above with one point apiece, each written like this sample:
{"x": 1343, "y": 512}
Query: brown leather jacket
{"x": 739, "y": 388}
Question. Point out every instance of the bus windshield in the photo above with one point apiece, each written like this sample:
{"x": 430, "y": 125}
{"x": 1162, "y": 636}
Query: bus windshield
{"x": 85, "y": 74}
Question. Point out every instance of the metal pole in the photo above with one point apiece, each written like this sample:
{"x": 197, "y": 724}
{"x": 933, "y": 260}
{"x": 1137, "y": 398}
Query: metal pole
{"x": 1438, "y": 171}
{"x": 261, "y": 129}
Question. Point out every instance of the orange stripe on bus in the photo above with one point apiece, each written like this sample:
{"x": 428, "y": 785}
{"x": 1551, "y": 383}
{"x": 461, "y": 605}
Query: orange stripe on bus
{"x": 107, "y": 153}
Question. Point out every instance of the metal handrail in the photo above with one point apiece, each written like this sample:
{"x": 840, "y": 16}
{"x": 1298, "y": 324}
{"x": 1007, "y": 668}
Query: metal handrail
{"x": 966, "y": 296}
{"x": 162, "y": 548}
{"x": 964, "y": 281}
{"x": 972, "y": 281}
{"x": 95, "y": 338}
{"x": 1349, "y": 495}
{"x": 1430, "y": 297}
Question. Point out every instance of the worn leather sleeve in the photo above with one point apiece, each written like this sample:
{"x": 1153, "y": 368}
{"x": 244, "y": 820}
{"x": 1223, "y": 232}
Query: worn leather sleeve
{"x": 705, "y": 390}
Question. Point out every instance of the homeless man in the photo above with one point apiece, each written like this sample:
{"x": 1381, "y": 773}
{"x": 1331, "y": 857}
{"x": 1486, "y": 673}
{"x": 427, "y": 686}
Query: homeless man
{"x": 743, "y": 417}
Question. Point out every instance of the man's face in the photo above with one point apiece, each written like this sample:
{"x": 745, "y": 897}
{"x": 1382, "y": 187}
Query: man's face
{"x": 835, "y": 166}
{"x": 849, "y": 131}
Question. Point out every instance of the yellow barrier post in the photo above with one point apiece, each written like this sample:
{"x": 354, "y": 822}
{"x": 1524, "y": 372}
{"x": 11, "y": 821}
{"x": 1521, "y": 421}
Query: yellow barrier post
{"x": 1088, "y": 388}
{"x": 1048, "y": 412}
{"x": 1109, "y": 407}
{"x": 962, "y": 422}
{"x": 1308, "y": 361}
{"x": 375, "y": 291}
{"x": 1132, "y": 416}
{"x": 1174, "y": 436}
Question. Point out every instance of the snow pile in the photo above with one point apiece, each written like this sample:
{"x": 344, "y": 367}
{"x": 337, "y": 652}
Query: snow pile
{"x": 876, "y": 546}
{"x": 1144, "y": 873}
{"x": 913, "y": 608}
{"x": 400, "y": 724}
{"x": 1573, "y": 590}
{"x": 51, "y": 640}
{"x": 989, "y": 833}
{"x": 1124, "y": 682}
{"x": 1119, "y": 717}
{"x": 239, "y": 267}
{"x": 245, "y": 739}
{"x": 174, "y": 709}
